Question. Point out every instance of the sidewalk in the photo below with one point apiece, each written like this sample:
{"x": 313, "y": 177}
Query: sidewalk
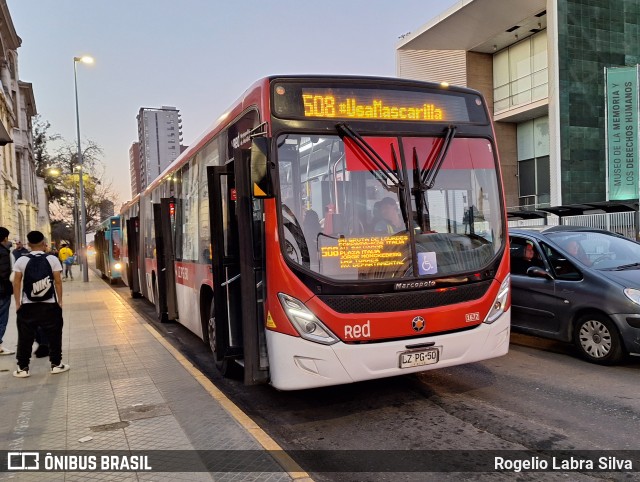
{"x": 125, "y": 390}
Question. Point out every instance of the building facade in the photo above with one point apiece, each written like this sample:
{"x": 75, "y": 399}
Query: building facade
{"x": 540, "y": 64}
{"x": 107, "y": 209}
{"x": 134, "y": 168}
{"x": 23, "y": 202}
{"x": 9, "y": 43}
{"x": 159, "y": 138}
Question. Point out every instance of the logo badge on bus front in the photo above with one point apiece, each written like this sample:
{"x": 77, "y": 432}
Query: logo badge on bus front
{"x": 418, "y": 323}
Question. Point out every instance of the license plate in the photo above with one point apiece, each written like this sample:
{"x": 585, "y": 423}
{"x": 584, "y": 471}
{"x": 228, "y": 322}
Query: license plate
{"x": 410, "y": 359}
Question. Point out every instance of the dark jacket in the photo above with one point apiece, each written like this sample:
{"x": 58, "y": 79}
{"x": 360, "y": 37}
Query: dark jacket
{"x": 19, "y": 252}
{"x": 5, "y": 271}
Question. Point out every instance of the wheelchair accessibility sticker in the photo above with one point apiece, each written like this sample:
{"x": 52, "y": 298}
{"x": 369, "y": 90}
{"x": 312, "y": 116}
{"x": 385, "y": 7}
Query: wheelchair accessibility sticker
{"x": 427, "y": 263}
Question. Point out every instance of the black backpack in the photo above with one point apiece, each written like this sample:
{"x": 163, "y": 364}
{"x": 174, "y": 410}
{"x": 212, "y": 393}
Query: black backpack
{"x": 38, "y": 278}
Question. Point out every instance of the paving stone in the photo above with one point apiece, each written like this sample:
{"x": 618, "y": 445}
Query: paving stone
{"x": 124, "y": 390}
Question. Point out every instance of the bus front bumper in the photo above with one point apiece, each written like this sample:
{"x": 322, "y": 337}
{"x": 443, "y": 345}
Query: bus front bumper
{"x": 297, "y": 364}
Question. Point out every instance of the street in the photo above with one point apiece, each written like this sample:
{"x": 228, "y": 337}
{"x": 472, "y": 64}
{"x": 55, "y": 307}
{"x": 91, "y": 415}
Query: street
{"x": 540, "y": 396}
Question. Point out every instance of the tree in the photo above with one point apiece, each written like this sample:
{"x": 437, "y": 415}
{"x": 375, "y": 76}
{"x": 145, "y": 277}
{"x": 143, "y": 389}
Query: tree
{"x": 61, "y": 170}
{"x": 40, "y": 139}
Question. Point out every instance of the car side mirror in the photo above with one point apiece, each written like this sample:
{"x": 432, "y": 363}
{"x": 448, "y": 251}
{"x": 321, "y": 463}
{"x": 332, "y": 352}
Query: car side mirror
{"x": 537, "y": 272}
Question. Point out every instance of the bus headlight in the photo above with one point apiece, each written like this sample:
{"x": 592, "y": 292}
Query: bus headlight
{"x": 117, "y": 266}
{"x": 500, "y": 303}
{"x": 306, "y": 323}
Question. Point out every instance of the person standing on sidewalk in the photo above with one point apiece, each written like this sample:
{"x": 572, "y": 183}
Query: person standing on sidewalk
{"x": 6, "y": 289}
{"x": 37, "y": 288}
{"x": 66, "y": 257}
{"x": 19, "y": 251}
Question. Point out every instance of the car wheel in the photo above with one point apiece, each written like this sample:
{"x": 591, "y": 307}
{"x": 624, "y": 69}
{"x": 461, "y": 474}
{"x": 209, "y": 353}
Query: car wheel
{"x": 598, "y": 340}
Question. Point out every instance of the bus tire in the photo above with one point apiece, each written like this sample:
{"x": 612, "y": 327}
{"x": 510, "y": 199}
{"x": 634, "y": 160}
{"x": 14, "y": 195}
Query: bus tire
{"x": 227, "y": 368}
{"x": 163, "y": 316}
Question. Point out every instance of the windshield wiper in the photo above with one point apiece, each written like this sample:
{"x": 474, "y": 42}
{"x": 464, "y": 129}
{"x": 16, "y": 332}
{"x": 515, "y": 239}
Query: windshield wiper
{"x": 626, "y": 266}
{"x": 377, "y": 163}
{"x": 392, "y": 175}
{"x": 425, "y": 178}
{"x": 430, "y": 172}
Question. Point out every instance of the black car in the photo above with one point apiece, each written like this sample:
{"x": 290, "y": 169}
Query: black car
{"x": 579, "y": 285}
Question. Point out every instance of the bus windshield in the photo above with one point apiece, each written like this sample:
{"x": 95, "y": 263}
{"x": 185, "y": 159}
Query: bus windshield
{"x": 387, "y": 207}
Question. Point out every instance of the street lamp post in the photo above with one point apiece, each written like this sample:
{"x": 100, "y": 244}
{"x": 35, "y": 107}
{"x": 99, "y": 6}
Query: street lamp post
{"x": 76, "y": 212}
{"x": 83, "y": 218}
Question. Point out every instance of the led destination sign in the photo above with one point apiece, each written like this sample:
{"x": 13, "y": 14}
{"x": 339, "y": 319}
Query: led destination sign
{"x": 318, "y": 105}
{"x": 368, "y": 252}
{"x": 345, "y": 102}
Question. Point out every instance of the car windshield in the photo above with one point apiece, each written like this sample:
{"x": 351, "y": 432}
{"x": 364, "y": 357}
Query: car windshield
{"x": 351, "y": 209}
{"x": 599, "y": 250}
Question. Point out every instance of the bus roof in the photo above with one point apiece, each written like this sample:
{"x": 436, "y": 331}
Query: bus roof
{"x": 254, "y": 96}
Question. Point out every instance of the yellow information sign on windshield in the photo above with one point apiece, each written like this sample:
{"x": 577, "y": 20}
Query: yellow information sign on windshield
{"x": 368, "y": 252}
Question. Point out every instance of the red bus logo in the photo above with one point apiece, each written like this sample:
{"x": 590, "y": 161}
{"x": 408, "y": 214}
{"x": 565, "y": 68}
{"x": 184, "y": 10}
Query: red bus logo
{"x": 418, "y": 323}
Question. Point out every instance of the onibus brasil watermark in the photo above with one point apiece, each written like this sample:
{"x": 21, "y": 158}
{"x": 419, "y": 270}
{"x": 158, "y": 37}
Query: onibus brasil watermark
{"x": 54, "y": 462}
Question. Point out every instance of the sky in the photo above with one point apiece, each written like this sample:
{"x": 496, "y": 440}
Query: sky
{"x": 195, "y": 55}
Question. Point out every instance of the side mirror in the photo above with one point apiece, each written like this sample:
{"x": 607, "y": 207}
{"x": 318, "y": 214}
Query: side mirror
{"x": 261, "y": 186}
{"x": 537, "y": 272}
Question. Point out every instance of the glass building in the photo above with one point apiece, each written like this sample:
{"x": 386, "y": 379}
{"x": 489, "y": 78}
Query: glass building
{"x": 540, "y": 64}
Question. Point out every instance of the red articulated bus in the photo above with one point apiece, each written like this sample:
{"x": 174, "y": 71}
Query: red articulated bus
{"x": 331, "y": 229}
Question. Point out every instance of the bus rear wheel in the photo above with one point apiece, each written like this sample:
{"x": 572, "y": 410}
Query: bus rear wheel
{"x": 218, "y": 346}
{"x": 162, "y": 315}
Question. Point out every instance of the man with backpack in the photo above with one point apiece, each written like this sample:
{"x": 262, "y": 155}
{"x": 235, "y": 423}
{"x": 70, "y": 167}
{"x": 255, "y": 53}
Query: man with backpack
{"x": 37, "y": 287}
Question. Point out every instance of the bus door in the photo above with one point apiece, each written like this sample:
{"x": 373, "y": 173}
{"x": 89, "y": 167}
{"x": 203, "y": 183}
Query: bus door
{"x": 165, "y": 288}
{"x": 133, "y": 251}
{"x": 237, "y": 239}
{"x": 99, "y": 245}
{"x": 225, "y": 264}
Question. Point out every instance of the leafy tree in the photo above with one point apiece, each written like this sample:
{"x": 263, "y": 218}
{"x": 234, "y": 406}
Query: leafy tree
{"x": 61, "y": 170}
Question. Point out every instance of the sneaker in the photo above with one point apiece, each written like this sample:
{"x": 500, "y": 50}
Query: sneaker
{"x": 60, "y": 368}
{"x": 6, "y": 351}
{"x": 42, "y": 351}
{"x": 21, "y": 372}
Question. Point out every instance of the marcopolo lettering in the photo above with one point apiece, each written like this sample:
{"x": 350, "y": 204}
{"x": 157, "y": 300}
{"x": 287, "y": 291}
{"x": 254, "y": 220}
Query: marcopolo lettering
{"x": 412, "y": 285}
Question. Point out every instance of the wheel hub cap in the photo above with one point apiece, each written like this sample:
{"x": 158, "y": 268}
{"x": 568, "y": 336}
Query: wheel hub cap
{"x": 595, "y": 339}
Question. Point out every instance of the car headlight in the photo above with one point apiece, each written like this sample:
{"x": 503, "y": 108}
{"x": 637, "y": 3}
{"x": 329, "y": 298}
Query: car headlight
{"x": 500, "y": 303}
{"x": 306, "y": 323}
{"x": 117, "y": 266}
{"x": 633, "y": 295}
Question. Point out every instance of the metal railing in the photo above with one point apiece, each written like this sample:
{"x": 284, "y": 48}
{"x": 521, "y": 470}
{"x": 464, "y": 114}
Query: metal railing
{"x": 622, "y": 223}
